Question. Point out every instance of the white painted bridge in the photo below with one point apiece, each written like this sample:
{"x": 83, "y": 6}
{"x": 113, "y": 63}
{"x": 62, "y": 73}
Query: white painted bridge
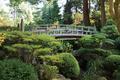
{"x": 65, "y": 31}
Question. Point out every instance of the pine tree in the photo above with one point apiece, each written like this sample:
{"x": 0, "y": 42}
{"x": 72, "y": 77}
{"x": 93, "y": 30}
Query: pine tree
{"x": 50, "y": 13}
{"x": 68, "y": 13}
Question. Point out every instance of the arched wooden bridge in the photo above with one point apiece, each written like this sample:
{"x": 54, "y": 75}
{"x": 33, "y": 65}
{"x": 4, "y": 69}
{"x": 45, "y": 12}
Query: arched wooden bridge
{"x": 65, "y": 32}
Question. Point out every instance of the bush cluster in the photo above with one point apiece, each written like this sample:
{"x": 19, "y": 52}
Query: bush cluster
{"x": 112, "y": 62}
{"x": 48, "y": 72}
{"x": 66, "y": 63}
{"x": 14, "y": 69}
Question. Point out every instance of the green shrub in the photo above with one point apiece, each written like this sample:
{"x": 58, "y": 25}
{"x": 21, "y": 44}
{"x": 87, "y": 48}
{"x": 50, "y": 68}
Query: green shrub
{"x": 32, "y": 39}
{"x": 93, "y": 70}
{"x": 88, "y": 41}
{"x": 110, "y": 22}
{"x": 23, "y": 51}
{"x": 16, "y": 37}
{"x": 93, "y": 41}
{"x": 17, "y": 42}
{"x": 42, "y": 51}
{"x": 112, "y": 62}
{"x": 111, "y": 31}
{"x": 113, "y": 59}
{"x": 48, "y": 72}
{"x": 16, "y": 70}
{"x": 92, "y": 52}
{"x": 66, "y": 63}
{"x": 108, "y": 44}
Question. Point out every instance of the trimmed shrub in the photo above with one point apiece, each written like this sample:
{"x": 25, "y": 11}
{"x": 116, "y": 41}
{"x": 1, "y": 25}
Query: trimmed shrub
{"x": 66, "y": 63}
{"x": 108, "y": 44}
{"x": 111, "y": 31}
{"x": 92, "y": 52}
{"x": 48, "y": 72}
{"x": 94, "y": 41}
{"x": 43, "y": 40}
{"x": 18, "y": 43}
{"x": 42, "y": 51}
{"x": 112, "y": 62}
{"x": 16, "y": 70}
{"x": 16, "y": 37}
{"x": 88, "y": 41}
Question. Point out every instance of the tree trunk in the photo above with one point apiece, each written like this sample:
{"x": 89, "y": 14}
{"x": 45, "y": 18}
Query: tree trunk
{"x": 86, "y": 11}
{"x": 103, "y": 14}
{"x": 22, "y": 25}
{"x": 114, "y": 8}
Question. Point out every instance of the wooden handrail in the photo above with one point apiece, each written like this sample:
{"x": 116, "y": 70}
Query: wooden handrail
{"x": 65, "y": 31}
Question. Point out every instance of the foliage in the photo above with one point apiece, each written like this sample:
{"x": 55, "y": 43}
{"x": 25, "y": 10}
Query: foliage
{"x": 43, "y": 51}
{"x": 110, "y": 22}
{"x": 93, "y": 68}
{"x": 15, "y": 37}
{"x": 31, "y": 39}
{"x": 96, "y": 39}
{"x": 111, "y": 31}
{"x": 67, "y": 16}
{"x": 117, "y": 43}
{"x": 108, "y": 44}
{"x": 96, "y": 19}
{"x": 66, "y": 63}
{"x": 87, "y": 41}
{"x": 50, "y": 12}
{"x": 15, "y": 2}
{"x": 25, "y": 45}
{"x": 77, "y": 18}
{"x": 112, "y": 62}
{"x": 48, "y": 72}
{"x": 93, "y": 53}
{"x": 66, "y": 47}
{"x": 16, "y": 70}
{"x": 116, "y": 74}
{"x": 2, "y": 38}
{"x": 25, "y": 11}
{"x": 5, "y": 20}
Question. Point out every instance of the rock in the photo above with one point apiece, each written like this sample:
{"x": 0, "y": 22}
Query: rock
{"x": 60, "y": 77}
{"x": 102, "y": 78}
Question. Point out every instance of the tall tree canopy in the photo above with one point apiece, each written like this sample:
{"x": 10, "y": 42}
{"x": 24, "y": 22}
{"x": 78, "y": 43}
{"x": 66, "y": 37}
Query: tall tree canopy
{"x": 68, "y": 13}
{"x": 50, "y": 12}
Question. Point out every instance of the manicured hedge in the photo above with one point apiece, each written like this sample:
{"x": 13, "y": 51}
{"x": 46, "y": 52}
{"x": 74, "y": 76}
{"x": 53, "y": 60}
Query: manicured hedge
{"x": 66, "y": 63}
{"x": 112, "y": 62}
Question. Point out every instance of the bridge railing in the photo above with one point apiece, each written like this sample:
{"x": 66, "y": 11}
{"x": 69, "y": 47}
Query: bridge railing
{"x": 64, "y": 30}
